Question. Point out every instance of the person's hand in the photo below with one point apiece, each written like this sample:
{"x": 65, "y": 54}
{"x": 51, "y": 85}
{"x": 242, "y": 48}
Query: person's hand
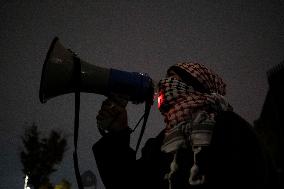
{"x": 112, "y": 117}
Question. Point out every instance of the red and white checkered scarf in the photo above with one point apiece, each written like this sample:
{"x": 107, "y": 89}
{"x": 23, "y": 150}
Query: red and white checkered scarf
{"x": 179, "y": 101}
{"x": 190, "y": 114}
{"x": 181, "y": 104}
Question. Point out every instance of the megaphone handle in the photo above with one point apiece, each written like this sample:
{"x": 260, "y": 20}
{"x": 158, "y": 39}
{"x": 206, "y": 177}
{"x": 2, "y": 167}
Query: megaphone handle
{"x": 102, "y": 131}
{"x": 120, "y": 100}
{"x": 115, "y": 100}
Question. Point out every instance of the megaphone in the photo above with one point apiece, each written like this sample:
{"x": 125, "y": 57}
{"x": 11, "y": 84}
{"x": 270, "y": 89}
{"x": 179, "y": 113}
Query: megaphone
{"x": 64, "y": 72}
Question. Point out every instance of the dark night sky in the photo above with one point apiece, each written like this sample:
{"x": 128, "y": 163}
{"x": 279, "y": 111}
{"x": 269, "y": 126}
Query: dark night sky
{"x": 240, "y": 40}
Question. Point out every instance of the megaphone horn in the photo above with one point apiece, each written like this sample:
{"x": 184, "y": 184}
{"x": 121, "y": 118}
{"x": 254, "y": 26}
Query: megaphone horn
{"x": 59, "y": 77}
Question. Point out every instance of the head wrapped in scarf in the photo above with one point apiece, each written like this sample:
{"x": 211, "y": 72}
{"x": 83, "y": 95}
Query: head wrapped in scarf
{"x": 189, "y": 105}
{"x": 201, "y": 78}
{"x": 199, "y": 88}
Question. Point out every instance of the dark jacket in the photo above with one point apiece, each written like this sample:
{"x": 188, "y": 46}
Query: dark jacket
{"x": 235, "y": 159}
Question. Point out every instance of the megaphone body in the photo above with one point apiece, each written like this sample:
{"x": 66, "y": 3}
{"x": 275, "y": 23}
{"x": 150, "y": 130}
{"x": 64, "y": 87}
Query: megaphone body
{"x": 63, "y": 72}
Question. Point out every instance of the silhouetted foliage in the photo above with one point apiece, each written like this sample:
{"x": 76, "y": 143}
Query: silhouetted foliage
{"x": 41, "y": 155}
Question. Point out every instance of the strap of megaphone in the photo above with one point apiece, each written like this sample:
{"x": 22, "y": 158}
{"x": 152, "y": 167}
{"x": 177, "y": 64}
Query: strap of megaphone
{"x": 146, "y": 115}
{"x": 77, "y": 76}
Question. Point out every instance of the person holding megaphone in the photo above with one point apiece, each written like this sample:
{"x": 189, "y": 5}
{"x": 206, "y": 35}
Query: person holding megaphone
{"x": 205, "y": 144}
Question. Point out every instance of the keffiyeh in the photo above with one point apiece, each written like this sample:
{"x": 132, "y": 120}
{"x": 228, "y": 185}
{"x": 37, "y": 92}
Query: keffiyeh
{"x": 190, "y": 112}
